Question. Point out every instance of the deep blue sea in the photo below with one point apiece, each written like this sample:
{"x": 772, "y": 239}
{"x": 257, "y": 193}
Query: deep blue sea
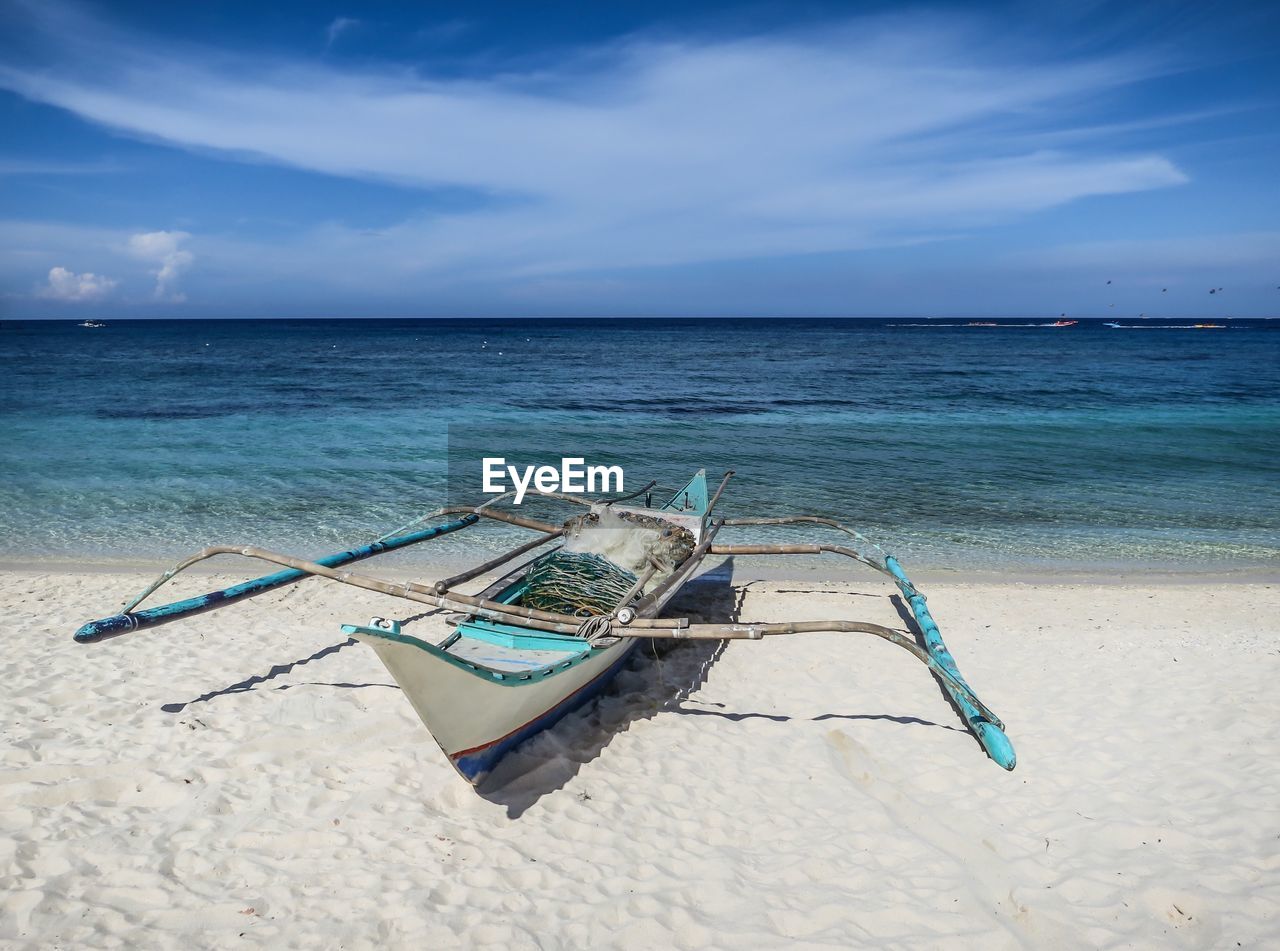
{"x": 956, "y": 446}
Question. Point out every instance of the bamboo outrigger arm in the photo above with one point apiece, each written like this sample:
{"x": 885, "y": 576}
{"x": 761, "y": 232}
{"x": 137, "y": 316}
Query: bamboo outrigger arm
{"x": 130, "y": 620}
{"x": 484, "y": 506}
{"x": 327, "y": 567}
{"x": 409, "y": 590}
{"x": 984, "y": 724}
{"x": 755, "y": 632}
{"x": 444, "y": 584}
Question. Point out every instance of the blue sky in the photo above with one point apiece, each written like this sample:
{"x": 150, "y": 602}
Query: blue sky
{"x": 334, "y": 159}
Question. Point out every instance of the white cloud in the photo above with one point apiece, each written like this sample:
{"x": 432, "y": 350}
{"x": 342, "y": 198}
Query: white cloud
{"x": 18, "y": 167}
{"x": 67, "y": 285}
{"x": 871, "y": 133}
{"x": 337, "y": 26}
{"x": 1205, "y": 252}
{"x": 163, "y": 248}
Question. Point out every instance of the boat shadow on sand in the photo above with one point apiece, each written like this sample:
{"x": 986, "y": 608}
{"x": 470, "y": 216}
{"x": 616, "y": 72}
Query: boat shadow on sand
{"x": 277, "y": 670}
{"x": 660, "y": 678}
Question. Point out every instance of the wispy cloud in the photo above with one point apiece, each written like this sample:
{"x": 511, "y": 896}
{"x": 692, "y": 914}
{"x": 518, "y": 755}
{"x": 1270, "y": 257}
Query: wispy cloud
{"x": 338, "y": 26}
{"x": 66, "y": 285}
{"x": 439, "y": 34}
{"x": 1197, "y": 254}
{"x": 639, "y": 152}
{"x": 163, "y": 248}
{"x": 21, "y": 167}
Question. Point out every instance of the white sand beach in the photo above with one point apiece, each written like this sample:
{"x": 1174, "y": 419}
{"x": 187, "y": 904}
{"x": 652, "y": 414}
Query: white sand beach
{"x": 251, "y": 778}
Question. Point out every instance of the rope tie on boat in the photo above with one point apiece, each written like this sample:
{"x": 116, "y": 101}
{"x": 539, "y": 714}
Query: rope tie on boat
{"x": 596, "y": 630}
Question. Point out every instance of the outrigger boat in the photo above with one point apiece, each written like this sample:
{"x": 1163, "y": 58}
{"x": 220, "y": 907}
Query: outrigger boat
{"x": 551, "y": 633}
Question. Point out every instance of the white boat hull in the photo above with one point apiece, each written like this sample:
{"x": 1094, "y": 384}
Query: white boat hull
{"x": 477, "y": 715}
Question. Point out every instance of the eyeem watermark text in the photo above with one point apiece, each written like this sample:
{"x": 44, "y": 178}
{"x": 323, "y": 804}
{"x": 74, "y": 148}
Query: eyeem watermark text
{"x": 574, "y": 477}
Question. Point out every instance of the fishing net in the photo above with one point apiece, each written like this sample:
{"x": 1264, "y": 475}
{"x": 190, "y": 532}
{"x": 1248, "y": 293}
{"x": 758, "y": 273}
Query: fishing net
{"x": 576, "y": 583}
{"x": 606, "y": 554}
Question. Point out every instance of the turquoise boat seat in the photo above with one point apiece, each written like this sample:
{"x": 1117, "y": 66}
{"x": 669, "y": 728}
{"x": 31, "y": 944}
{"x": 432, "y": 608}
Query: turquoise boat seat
{"x": 509, "y": 648}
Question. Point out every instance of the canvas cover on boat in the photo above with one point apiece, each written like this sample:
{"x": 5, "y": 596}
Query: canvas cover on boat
{"x": 630, "y": 538}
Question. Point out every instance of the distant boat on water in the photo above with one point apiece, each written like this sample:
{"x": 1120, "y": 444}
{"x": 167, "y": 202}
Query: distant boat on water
{"x": 1064, "y": 323}
{"x": 1167, "y": 326}
{"x": 90, "y": 323}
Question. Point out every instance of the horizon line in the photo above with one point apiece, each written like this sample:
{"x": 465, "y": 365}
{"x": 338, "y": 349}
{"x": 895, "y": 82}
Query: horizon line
{"x": 462, "y": 317}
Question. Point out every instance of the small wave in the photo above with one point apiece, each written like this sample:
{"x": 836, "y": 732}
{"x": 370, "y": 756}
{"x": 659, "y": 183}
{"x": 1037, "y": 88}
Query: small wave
{"x": 170, "y": 413}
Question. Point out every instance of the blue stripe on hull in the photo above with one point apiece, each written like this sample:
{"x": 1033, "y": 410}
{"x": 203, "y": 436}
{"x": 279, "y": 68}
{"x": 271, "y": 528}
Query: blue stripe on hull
{"x": 475, "y": 765}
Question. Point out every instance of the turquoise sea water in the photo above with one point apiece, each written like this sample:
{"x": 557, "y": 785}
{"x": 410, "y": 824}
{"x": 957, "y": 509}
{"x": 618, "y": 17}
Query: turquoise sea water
{"x": 966, "y": 447}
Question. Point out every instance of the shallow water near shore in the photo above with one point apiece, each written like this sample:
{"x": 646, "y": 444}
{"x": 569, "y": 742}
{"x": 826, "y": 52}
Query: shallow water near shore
{"x": 973, "y": 448}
